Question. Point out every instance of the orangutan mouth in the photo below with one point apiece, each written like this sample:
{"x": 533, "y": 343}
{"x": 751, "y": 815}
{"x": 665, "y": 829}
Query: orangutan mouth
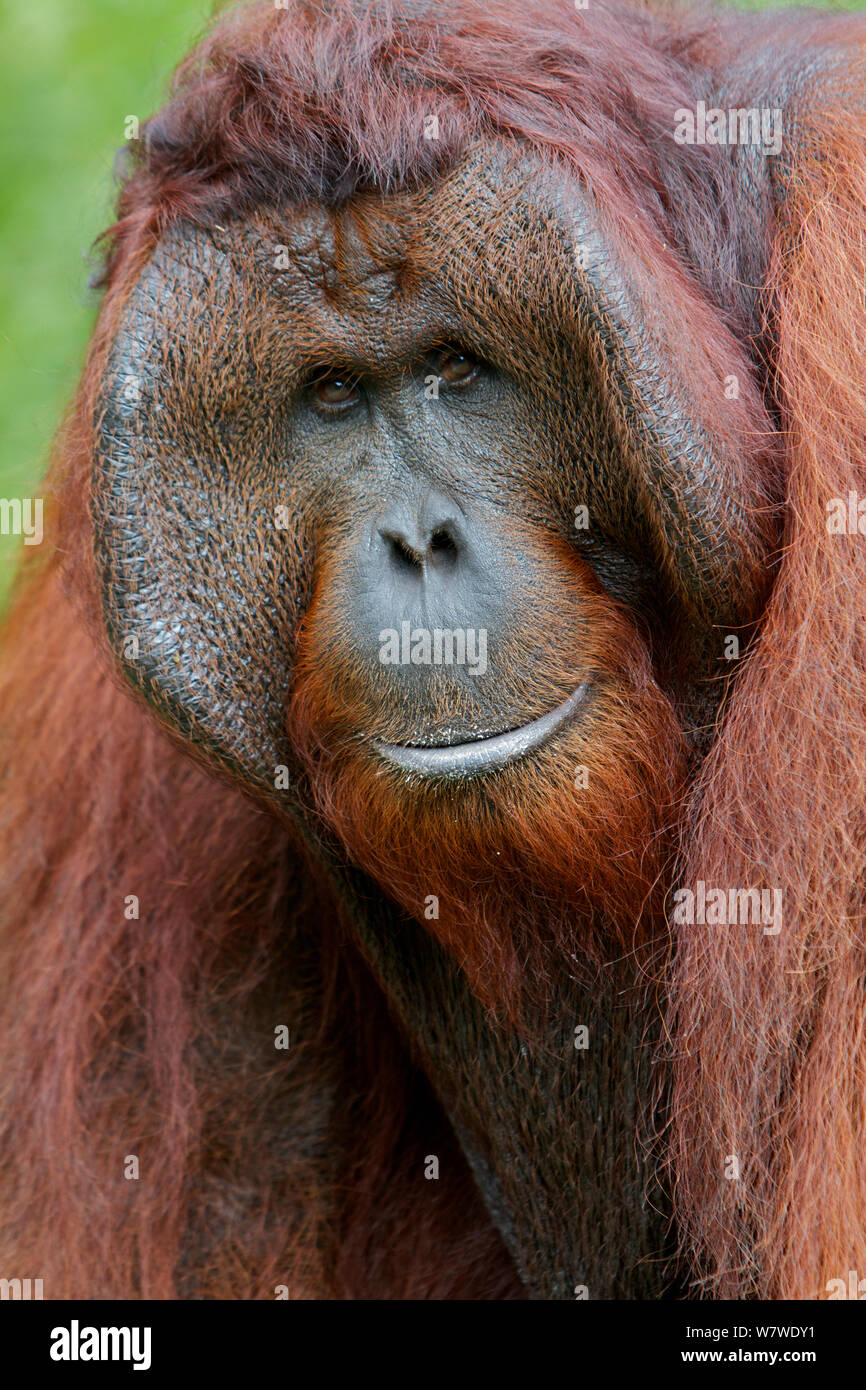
{"x": 483, "y": 754}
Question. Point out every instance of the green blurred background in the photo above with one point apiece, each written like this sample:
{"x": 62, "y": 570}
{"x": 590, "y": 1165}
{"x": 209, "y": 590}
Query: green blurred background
{"x": 73, "y": 70}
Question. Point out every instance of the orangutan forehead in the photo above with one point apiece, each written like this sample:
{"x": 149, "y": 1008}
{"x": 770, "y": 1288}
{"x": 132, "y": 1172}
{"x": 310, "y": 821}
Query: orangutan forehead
{"x": 355, "y": 258}
{"x": 376, "y": 251}
{"x": 363, "y": 248}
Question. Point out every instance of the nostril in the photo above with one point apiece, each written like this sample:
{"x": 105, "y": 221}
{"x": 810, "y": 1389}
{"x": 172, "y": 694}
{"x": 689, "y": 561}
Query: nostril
{"x": 442, "y": 540}
{"x": 443, "y": 547}
{"x": 414, "y": 546}
{"x": 403, "y": 555}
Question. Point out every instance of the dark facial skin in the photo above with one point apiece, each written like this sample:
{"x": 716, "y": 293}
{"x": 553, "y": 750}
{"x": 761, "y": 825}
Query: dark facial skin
{"x": 229, "y": 375}
{"x": 414, "y": 523}
{"x": 411, "y": 459}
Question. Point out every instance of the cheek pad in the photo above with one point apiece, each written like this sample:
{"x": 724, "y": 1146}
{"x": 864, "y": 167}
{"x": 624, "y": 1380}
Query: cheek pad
{"x": 194, "y": 563}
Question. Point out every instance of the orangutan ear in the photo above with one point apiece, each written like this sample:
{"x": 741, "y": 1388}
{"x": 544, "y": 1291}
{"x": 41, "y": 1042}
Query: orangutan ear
{"x": 775, "y": 1019}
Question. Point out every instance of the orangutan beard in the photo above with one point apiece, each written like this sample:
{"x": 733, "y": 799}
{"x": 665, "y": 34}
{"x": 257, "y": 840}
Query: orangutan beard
{"x": 555, "y": 863}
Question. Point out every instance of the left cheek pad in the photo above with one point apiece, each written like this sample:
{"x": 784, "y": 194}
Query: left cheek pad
{"x": 198, "y": 563}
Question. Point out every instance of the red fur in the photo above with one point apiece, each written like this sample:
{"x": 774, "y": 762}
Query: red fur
{"x": 523, "y": 869}
{"x": 151, "y": 1036}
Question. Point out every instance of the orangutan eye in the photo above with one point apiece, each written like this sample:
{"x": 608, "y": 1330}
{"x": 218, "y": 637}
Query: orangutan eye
{"x": 339, "y": 389}
{"x": 457, "y": 368}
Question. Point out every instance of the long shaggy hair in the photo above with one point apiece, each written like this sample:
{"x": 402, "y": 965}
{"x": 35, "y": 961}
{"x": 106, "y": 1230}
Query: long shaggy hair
{"x": 144, "y": 947}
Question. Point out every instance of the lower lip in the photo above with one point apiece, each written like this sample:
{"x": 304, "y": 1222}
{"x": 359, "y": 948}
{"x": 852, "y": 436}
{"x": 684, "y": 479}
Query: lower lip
{"x": 484, "y": 754}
